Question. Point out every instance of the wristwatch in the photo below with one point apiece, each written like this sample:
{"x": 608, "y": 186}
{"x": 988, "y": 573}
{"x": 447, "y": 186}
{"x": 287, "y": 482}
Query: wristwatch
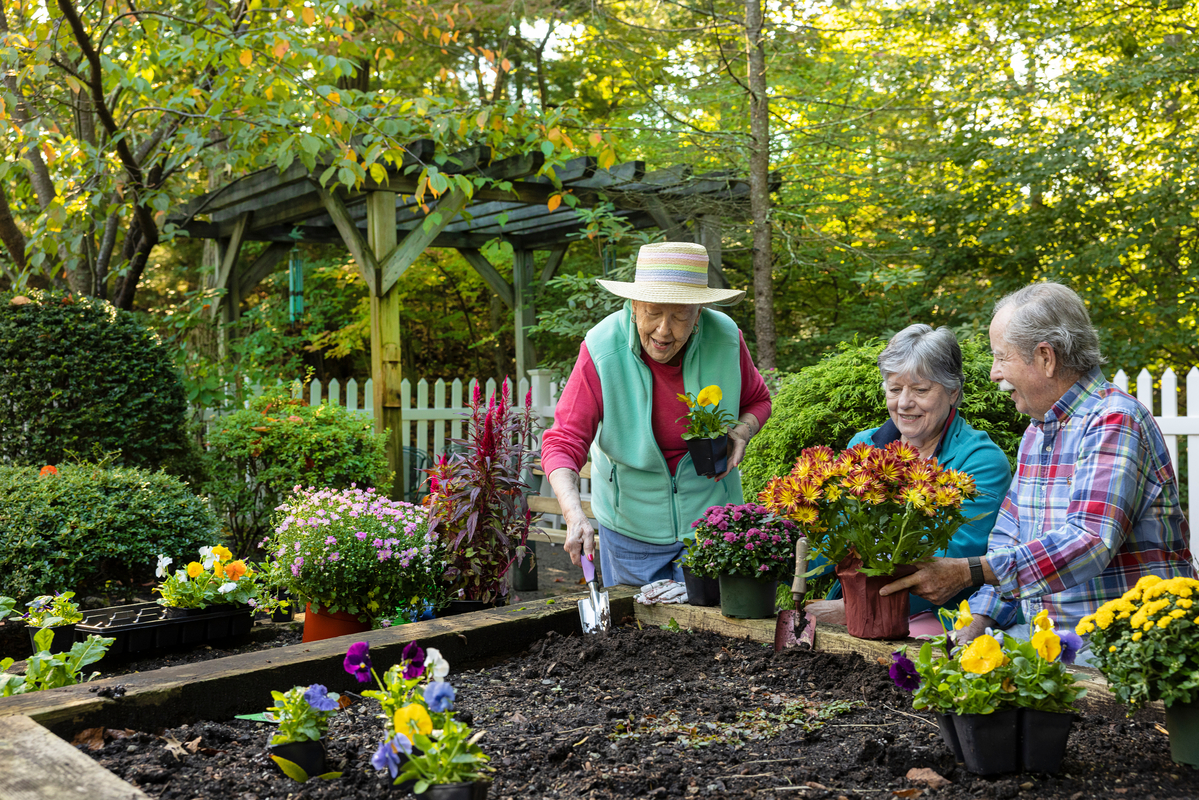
{"x": 977, "y": 578}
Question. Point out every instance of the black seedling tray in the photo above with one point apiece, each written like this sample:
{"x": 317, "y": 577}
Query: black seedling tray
{"x": 148, "y": 626}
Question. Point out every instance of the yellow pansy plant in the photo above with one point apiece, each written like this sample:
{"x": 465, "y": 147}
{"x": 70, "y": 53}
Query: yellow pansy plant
{"x": 413, "y": 719}
{"x": 983, "y": 655}
{"x": 702, "y": 422}
{"x": 964, "y": 618}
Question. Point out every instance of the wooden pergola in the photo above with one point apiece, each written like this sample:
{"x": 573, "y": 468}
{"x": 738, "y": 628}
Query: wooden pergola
{"x": 385, "y": 230}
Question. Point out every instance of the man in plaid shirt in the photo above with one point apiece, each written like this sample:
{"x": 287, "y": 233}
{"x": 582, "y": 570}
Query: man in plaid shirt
{"x": 1094, "y": 504}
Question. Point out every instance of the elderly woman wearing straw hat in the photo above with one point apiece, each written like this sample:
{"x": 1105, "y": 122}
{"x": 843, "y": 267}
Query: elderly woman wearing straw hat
{"x": 621, "y": 402}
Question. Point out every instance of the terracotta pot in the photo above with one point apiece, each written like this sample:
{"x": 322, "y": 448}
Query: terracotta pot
{"x": 325, "y": 624}
{"x": 867, "y": 614}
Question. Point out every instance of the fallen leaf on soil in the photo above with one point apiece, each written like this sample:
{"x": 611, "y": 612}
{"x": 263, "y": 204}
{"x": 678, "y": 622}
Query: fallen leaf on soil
{"x": 92, "y": 737}
{"x": 907, "y": 794}
{"x": 815, "y": 785}
{"x": 174, "y": 747}
{"x": 518, "y": 718}
{"x": 927, "y": 776}
{"x": 582, "y": 582}
{"x": 1160, "y": 729}
{"x": 345, "y": 701}
{"x": 882, "y": 662}
{"x": 559, "y": 580}
{"x": 193, "y": 745}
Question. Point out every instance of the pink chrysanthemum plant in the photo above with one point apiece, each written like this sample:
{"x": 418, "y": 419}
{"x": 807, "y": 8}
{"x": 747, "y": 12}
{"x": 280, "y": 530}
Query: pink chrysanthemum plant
{"x": 747, "y": 540}
{"x": 888, "y": 505}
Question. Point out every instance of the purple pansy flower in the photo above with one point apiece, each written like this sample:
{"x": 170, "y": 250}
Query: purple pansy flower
{"x": 318, "y": 697}
{"x": 439, "y": 696}
{"x": 1071, "y": 644}
{"x": 388, "y": 755}
{"x": 358, "y": 661}
{"x": 903, "y": 672}
{"x": 414, "y": 661}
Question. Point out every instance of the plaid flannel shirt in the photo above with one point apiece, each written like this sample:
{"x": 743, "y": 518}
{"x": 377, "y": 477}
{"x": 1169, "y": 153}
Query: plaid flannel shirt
{"x": 1093, "y": 507}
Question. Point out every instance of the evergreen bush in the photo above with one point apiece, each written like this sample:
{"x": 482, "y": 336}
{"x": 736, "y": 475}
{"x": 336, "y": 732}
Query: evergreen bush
{"x": 830, "y": 401}
{"x": 79, "y": 376}
{"x": 257, "y": 455}
{"x": 87, "y": 525}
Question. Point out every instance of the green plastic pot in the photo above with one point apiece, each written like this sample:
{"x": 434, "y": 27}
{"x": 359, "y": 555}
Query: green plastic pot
{"x": 747, "y": 598}
{"x": 1182, "y": 720}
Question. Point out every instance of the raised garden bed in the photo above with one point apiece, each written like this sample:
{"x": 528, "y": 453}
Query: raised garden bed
{"x": 639, "y": 713}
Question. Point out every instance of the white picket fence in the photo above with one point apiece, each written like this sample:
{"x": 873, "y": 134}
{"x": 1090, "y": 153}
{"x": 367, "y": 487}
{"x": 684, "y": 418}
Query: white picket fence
{"x": 429, "y": 424}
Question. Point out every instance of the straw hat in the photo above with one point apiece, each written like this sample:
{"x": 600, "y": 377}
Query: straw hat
{"x": 672, "y": 272}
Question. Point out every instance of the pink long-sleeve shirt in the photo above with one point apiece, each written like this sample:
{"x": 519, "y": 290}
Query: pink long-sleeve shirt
{"x": 581, "y": 407}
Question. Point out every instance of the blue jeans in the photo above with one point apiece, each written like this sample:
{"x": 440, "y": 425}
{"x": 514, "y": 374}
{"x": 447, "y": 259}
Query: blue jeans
{"x": 633, "y": 563}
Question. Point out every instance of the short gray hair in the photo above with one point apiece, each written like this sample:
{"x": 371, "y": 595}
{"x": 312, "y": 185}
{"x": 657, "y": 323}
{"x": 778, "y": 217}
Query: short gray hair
{"x": 920, "y": 351}
{"x": 1052, "y": 313}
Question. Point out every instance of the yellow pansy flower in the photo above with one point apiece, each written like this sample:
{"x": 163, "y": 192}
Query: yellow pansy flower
{"x": 1042, "y": 621}
{"x": 686, "y": 400}
{"x": 709, "y": 396}
{"x": 222, "y": 552}
{"x": 413, "y": 719}
{"x": 964, "y": 616}
{"x": 982, "y": 655}
{"x": 195, "y": 569}
{"x": 1047, "y": 644}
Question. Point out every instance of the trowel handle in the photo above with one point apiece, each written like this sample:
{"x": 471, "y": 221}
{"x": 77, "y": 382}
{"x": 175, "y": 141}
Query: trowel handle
{"x": 799, "y": 584}
{"x": 588, "y": 568}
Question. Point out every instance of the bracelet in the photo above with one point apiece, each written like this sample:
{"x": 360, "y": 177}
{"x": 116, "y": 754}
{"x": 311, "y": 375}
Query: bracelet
{"x": 977, "y": 578}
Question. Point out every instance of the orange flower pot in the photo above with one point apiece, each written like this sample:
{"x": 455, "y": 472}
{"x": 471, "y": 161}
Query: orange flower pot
{"x": 325, "y": 624}
{"x": 869, "y": 615}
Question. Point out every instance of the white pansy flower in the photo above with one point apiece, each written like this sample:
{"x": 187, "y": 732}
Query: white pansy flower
{"x": 438, "y": 666}
{"x": 207, "y": 556}
{"x": 228, "y": 587}
{"x": 163, "y": 563}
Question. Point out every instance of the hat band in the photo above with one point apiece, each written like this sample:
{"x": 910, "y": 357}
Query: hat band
{"x": 685, "y": 276}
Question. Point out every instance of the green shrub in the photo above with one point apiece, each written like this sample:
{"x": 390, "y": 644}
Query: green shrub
{"x": 79, "y": 376}
{"x": 830, "y": 401}
{"x": 91, "y": 524}
{"x": 257, "y": 455}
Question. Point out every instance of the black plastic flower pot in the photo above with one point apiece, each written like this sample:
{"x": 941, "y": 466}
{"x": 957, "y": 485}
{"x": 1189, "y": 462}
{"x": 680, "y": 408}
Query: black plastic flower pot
{"x": 990, "y": 742}
{"x": 63, "y": 641}
{"x": 701, "y": 591}
{"x": 949, "y": 734}
{"x": 1043, "y": 736}
{"x": 309, "y": 755}
{"x": 524, "y": 575}
{"x": 710, "y": 456}
{"x": 475, "y": 790}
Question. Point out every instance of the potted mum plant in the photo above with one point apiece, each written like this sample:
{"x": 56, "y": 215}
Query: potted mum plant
{"x": 353, "y": 557}
{"x": 874, "y": 512}
{"x": 424, "y": 748}
{"x": 298, "y": 747}
{"x": 56, "y": 612}
{"x": 749, "y": 549}
{"x": 707, "y": 434}
{"x": 1146, "y": 643}
{"x": 478, "y": 506}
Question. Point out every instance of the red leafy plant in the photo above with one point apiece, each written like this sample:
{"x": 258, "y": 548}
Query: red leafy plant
{"x": 478, "y": 505}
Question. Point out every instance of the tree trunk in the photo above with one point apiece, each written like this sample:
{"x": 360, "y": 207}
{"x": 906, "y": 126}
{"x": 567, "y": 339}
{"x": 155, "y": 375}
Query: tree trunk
{"x": 759, "y": 186}
{"x": 11, "y": 236}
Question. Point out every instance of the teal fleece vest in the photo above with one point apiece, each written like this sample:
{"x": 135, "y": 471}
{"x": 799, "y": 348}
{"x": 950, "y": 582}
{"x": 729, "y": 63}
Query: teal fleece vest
{"x": 632, "y": 491}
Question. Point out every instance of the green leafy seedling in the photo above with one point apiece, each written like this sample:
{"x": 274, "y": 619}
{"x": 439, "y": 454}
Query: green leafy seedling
{"x": 294, "y": 771}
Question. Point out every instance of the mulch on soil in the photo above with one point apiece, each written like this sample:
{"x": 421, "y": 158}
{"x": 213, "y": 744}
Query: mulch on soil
{"x": 662, "y": 714}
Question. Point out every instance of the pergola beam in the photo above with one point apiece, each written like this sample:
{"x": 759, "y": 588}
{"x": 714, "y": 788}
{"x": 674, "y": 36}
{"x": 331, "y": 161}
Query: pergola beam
{"x": 416, "y": 240}
{"x": 363, "y": 255}
{"x": 489, "y": 274}
{"x": 264, "y": 265}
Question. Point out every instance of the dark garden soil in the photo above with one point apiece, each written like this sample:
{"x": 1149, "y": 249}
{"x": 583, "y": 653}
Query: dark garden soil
{"x": 660, "y": 714}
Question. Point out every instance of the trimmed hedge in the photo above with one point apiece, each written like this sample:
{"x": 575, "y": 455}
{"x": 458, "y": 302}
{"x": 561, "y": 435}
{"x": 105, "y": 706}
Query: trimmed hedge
{"x": 257, "y": 455}
{"x": 79, "y": 376}
{"x": 90, "y": 524}
{"x": 830, "y": 401}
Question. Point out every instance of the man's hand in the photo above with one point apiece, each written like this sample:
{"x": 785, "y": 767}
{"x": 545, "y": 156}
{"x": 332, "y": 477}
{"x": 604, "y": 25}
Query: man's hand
{"x": 937, "y": 581}
{"x": 831, "y": 612}
{"x": 580, "y": 539}
{"x": 976, "y": 628}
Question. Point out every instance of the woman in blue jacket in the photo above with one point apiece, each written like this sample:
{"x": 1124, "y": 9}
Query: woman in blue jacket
{"x": 922, "y": 383}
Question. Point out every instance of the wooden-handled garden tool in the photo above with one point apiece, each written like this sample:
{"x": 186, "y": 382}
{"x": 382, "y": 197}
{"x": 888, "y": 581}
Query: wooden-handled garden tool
{"x": 793, "y": 627}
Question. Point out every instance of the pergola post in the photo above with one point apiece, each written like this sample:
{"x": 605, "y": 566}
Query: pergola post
{"x": 385, "y": 338}
{"x": 525, "y": 315}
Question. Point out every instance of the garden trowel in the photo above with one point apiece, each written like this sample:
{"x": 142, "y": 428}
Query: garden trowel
{"x": 594, "y": 612}
{"x": 793, "y": 627}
